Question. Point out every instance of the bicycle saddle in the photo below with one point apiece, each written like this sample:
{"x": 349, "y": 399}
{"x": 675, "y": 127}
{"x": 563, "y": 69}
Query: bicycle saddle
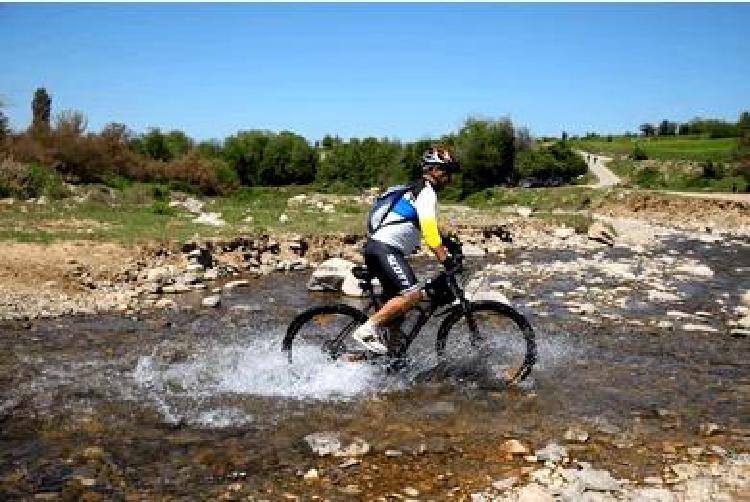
{"x": 362, "y": 273}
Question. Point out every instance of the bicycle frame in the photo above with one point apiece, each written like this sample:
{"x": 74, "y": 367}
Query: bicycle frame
{"x": 425, "y": 314}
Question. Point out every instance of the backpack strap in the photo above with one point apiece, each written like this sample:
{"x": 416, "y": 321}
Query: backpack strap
{"x": 415, "y": 187}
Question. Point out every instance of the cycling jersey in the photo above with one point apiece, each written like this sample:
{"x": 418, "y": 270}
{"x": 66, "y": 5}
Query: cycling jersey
{"x": 412, "y": 217}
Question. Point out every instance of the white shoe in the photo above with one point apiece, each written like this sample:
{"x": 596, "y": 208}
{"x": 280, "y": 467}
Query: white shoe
{"x": 367, "y": 335}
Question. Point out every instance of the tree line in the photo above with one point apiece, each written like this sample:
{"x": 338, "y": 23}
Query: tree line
{"x": 492, "y": 152}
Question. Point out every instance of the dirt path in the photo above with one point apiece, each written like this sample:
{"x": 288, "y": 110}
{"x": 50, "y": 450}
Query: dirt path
{"x": 598, "y": 165}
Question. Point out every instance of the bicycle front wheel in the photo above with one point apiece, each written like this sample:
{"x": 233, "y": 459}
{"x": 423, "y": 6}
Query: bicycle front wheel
{"x": 491, "y": 331}
{"x": 326, "y": 328}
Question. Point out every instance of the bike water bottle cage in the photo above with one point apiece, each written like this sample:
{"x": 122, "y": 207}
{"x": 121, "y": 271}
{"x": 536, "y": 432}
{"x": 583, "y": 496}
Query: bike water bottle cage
{"x": 384, "y": 205}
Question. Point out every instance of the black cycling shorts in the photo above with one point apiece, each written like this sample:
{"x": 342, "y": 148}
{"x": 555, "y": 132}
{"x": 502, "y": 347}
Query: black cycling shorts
{"x": 389, "y": 265}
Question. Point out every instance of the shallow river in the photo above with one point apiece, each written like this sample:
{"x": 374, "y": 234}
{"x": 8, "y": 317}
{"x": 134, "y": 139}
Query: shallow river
{"x": 195, "y": 403}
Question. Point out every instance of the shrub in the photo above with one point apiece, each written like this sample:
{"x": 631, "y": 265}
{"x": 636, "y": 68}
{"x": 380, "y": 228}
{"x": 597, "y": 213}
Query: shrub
{"x": 639, "y": 153}
{"x": 163, "y": 208}
{"x": 30, "y": 180}
{"x": 159, "y": 192}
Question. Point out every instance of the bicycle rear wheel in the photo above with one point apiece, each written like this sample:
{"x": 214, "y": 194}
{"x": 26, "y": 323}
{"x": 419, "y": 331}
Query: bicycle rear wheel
{"x": 326, "y": 328}
{"x": 494, "y": 333}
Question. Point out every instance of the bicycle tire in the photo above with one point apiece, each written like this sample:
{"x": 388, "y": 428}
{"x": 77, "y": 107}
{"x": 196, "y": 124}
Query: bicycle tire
{"x": 499, "y": 312}
{"x": 331, "y": 337}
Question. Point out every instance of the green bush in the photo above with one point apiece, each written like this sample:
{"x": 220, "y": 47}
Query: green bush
{"x": 160, "y": 192}
{"x": 639, "y": 153}
{"x": 163, "y": 208}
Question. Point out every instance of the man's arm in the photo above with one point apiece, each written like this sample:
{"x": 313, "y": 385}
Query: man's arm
{"x": 426, "y": 206}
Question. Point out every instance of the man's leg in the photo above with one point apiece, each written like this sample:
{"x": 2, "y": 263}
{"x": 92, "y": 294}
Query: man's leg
{"x": 398, "y": 280}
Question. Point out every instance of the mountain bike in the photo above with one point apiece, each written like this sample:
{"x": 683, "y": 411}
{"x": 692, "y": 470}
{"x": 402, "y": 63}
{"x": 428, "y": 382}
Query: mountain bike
{"x": 492, "y": 329}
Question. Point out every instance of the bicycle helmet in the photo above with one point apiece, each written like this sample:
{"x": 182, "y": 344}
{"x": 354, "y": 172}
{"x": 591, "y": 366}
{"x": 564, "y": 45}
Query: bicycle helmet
{"x": 440, "y": 157}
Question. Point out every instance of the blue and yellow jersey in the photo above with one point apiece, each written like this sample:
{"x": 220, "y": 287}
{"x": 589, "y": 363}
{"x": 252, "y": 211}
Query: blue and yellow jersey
{"x": 414, "y": 216}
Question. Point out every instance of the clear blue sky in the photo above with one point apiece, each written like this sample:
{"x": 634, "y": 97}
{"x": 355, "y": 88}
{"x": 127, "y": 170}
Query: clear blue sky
{"x": 405, "y": 71}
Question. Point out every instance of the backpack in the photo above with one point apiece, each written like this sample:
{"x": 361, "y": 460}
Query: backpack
{"x": 383, "y": 205}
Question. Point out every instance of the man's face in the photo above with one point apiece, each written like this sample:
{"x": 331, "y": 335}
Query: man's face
{"x": 442, "y": 178}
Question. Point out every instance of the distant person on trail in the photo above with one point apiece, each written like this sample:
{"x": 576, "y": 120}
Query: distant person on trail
{"x": 411, "y": 216}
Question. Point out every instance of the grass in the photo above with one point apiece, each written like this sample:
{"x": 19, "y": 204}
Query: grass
{"x": 675, "y": 179}
{"x": 138, "y": 214}
{"x": 545, "y": 199}
{"x": 674, "y": 147}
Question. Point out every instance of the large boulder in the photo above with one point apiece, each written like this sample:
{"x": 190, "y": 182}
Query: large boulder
{"x": 331, "y": 274}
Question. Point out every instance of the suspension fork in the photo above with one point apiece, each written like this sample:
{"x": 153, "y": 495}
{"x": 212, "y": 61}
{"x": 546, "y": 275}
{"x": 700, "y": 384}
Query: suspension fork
{"x": 465, "y": 306}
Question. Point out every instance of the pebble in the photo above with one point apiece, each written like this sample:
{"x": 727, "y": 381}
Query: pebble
{"x": 699, "y": 327}
{"x": 311, "y": 474}
{"x": 211, "y": 301}
{"x": 393, "y": 453}
{"x": 514, "y": 447}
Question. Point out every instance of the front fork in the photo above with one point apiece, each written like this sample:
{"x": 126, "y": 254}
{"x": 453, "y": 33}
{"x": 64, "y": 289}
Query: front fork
{"x": 466, "y": 308}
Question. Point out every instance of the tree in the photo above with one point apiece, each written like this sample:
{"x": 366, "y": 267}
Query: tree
{"x": 244, "y": 152}
{"x": 41, "y": 109}
{"x": 70, "y": 123}
{"x": 287, "y": 159}
{"x": 153, "y": 144}
{"x": 667, "y": 128}
{"x": 178, "y": 144}
{"x": 486, "y": 150}
{"x": 4, "y": 128}
{"x": 647, "y": 129}
{"x": 684, "y": 129}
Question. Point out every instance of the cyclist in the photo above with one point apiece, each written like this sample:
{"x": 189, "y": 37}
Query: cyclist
{"x": 412, "y": 217}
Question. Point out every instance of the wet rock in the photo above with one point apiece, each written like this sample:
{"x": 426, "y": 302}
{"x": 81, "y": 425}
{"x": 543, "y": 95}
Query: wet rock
{"x": 745, "y": 298}
{"x": 350, "y": 286}
{"x": 699, "y": 327}
{"x": 576, "y": 434}
{"x": 411, "y": 492}
{"x": 241, "y": 283}
{"x": 695, "y": 269}
{"x": 744, "y": 322}
{"x": 553, "y": 452}
{"x": 661, "y": 296}
{"x": 211, "y": 301}
{"x": 331, "y": 443}
{"x": 311, "y": 474}
{"x": 175, "y": 289}
{"x": 514, "y": 447}
{"x": 739, "y": 333}
{"x": 600, "y": 232}
{"x": 330, "y": 275}
{"x": 709, "y": 429}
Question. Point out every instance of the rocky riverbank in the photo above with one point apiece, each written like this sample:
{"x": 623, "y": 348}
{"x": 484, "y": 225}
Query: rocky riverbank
{"x": 88, "y": 278}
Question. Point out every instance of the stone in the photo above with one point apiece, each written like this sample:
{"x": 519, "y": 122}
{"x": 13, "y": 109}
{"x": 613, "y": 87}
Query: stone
{"x": 652, "y": 495}
{"x": 330, "y": 275}
{"x": 564, "y": 233}
{"x": 324, "y": 443}
{"x": 685, "y": 471}
{"x": 695, "y": 269}
{"x": 487, "y": 295}
{"x": 709, "y": 429}
{"x": 504, "y": 484}
{"x": 283, "y": 218}
{"x": 655, "y": 295}
{"x": 577, "y": 435}
{"x": 411, "y": 492}
{"x": 240, "y": 283}
{"x": 600, "y": 232}
{"x": 598, "y": 480}
{"x": 311, "y": 474}
{"x": 514, "y": 447}
{"x": 350, "y": 286}
{"x": 350, "y": 462}
{"x": 211, "y": 301}
{"x": 744, "y": 322}
{"x": 211, "y": 219}
{"x": 534, "y": 493}
{"x": 393, "y": 453}
{"x": 699, "y": 327}
{"x": 472, "y": 250}
{"x": 211, "y": 274}
{"x": 175, "y": 289}
{"x": 524, "y": 212}
{"x": 356, "y": 448}
{"x": 553, "y": 452}
{"x": 745, "y": 298}
{"x": 739, "y": 333}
